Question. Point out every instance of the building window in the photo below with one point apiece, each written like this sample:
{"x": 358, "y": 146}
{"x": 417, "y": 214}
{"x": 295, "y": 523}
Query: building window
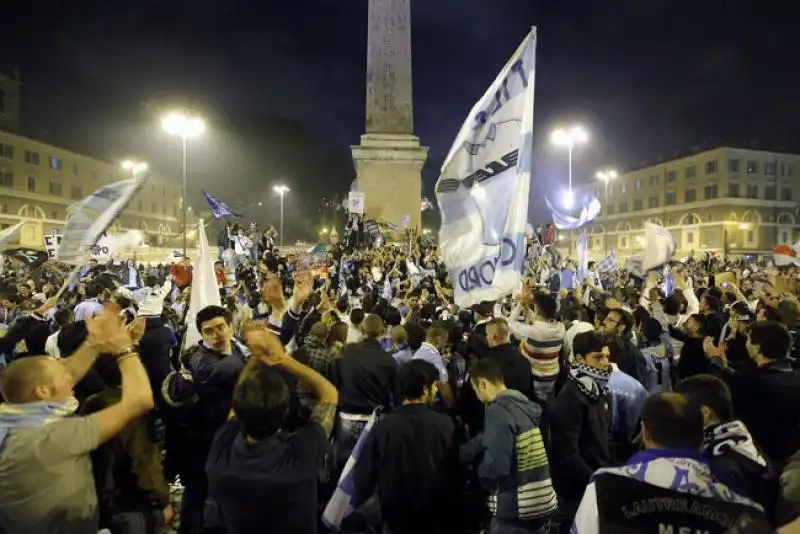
{"x": 784, "y": 237}
{"x": 31, "y": 183}
{"x": 55, "y": 163}
{"x": 786, "y": 193}
{"x": 733, "y": 190}
{"x": 770, "y": 192}
{"x": 786, "y": 170}
{"x": 623, "y": 188}
{"x": 711, "y": 166}
{"x": 164, "y": 209}
{"x": 671, "y": 176}
{"x": 750, "y": 237}
{"x": 690, "y": 195}
{"x": 623, "y": 207}
{"x": 690, "y": 238}
{"x": 638, "y": 184}
{"x": 734, "y": 165}
{"x": 75, "y": 192}
{"x": 752, "y": 166}
{"x": 709, "y": 238}
{"x": 610, "y": 191}
{"x": 31, "y": 157}
{"x": 623, "y": 242}
{"x": 652, "y": 202}
{"x": 769, "y": 168}
{"x": 711, "y": 191}
{"x": 4, "y": 208}
{"x": 610, "y": 209}
{"x": 55, "y": 188}
{"x": 752, "y": 191}
{"x": 6, "y": 179}
{"x": 6, "y": 151}
{"x": 690, "y": 171}
{"x": 637, "y": 204}
{"x": 710, "y": 217}
{"x": 654, "y": 179}
{"x": 74, "y": 168}
{"x": 671, "y": 199}
{"x": 153, "y": 208}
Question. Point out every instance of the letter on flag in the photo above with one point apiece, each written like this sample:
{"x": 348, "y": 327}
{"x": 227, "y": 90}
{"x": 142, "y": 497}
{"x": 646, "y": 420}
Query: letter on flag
{"x": 205, "y": 291}
{"x": 92, "y": 216}
{"x": 219, "y": 208}
{"x": 484, "y": 186}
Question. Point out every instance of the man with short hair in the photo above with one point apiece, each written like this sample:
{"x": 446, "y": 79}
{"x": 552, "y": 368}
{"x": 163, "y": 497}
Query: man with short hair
{"x": 431, "y": 351}
{"x": 513, "y": 460}
{"x": 409, "y": 458}
{"x": 766, "y": 399}
{"x": 542, "y": 340}
{"x": 366, "y": 377}
{"x": 516, "y": 369}
{"x": 93, "y": 305}
{"x": 732, "y": 454}
{"x": 617, "y": 326}
{"x": 262, "y": 470}
{"x": 46, "y": 484}
{"x": 670, "y": 469}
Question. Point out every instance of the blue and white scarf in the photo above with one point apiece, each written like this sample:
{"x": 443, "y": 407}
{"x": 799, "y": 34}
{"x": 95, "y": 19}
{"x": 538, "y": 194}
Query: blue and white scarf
{"x": 592, "y": 382}
{"x": 33, "y": 414}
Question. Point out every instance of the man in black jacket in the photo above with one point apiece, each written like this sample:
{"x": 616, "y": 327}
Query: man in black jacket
{"x": 580, "y": 424}
{"x": 366, "y": 377}
{"x": 732, "y": 454}
{"x": 617, "y": 326}
{"x": 516, "y": 369}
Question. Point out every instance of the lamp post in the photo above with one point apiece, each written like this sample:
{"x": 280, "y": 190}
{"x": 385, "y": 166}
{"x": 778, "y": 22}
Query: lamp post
{"x": 281, "y": 190}
{"x": 134, "y": 167}
{"x": 569, "y": 138}
{"x": 606, "y": 176}
{"x": 186, "y": 127}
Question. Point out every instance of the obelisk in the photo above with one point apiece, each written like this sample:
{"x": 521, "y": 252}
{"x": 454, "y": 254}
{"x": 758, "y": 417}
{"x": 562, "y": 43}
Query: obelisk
{"x": 389, "y": 159}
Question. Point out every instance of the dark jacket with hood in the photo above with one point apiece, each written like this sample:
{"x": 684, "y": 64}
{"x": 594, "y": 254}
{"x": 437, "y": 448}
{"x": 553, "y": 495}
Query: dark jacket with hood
{"x": 514, "y": 466}
{"x": 738, "y": 461}
{"x": 580, "y": 429}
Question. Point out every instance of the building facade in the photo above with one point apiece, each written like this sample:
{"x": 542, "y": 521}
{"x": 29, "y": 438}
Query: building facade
{"x": 730, "y": 201}
{"x": 38, "y": 182}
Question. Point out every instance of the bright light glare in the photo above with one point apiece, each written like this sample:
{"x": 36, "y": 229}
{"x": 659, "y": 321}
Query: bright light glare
{"x": 183, "y": 125}
{"x": 569, "y": 137}
{"x": 280, "y": 189}
{"x": 569, "y": 200}
{"x": 259, "y": 203}
{"x": 607, "y": 176}
{"x": 134, "y": 167}
{"x": 324, "y": 230}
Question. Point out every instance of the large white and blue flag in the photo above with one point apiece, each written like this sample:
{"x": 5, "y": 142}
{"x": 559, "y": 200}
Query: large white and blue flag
{"x": 658, "y": 250}
{"x": 219, "y": 208}
{"x": 563, "y": 221}
{"x": 484, "y": 186}
{"x": 91, "y": 217}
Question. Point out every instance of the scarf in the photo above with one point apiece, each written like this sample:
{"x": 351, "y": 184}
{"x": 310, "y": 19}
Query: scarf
{"x": 590, "y": 381}
{"x": 33, "y": 414}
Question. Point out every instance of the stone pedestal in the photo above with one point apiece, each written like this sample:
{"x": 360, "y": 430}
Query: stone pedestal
{"x": 389, "y": 169}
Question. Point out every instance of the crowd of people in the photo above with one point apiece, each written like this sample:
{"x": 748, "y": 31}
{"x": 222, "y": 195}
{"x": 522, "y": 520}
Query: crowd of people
{"x": 613, "y": 405}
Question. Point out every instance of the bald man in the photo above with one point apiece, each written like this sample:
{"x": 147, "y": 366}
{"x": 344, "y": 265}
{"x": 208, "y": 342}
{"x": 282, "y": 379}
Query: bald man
{"x": 46, "y": 483}
{"x": 516, "y": 368}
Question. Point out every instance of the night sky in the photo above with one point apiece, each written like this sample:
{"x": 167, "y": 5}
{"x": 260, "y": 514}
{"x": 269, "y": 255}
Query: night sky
{"x": 282, "y": 83}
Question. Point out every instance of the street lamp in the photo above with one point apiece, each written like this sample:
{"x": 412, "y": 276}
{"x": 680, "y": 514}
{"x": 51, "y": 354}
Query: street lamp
{"x": 134, "y": 167}
{"x": 569, "y": 138}
{"x": 281, "y": 190}
{"x": 186, "y": 127}
{"x": 324, "y": 231}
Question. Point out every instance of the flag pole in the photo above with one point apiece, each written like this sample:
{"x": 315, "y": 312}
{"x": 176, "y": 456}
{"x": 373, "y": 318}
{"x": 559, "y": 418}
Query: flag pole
{"x": 67, "y": 281}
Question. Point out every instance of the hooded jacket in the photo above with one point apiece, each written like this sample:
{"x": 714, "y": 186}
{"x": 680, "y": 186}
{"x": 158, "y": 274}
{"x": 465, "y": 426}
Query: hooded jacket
{"x": 514, "y": 465}
{"x": 737, "y": 460}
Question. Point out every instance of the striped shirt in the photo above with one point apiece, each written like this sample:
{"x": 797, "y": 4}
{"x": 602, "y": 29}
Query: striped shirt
{"x": 541, "y": 343}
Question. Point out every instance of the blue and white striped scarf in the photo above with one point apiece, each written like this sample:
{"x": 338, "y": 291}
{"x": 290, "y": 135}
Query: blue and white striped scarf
{"x": 33, "y": 414}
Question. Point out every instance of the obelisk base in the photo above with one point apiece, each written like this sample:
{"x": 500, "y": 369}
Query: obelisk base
{"x": 389, "y": 171}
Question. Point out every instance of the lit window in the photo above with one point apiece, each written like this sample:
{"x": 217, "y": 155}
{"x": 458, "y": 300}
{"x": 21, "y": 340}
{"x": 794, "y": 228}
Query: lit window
{"x": 752, "y": 166}
{"x": 55, "y": 163}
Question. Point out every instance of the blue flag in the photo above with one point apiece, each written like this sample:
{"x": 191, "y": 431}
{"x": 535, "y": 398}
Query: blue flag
{"x": 219, "y": 208}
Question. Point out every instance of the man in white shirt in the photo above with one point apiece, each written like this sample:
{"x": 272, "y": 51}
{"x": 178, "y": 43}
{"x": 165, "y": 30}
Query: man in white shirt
{"x": 63, "y": 317}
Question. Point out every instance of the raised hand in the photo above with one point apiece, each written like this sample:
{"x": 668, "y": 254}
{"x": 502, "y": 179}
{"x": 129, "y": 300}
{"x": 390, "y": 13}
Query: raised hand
{"x": 107, "y": 334}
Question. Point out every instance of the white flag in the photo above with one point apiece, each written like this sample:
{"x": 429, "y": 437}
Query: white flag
{"x": 6, "y": 234}
{"x": 659, "y": 248}
{"x": 205, "y": 291}
{"x": 583, "y": 256}
{"x": 92, "y": 216}
{"x": 484, "y": 185}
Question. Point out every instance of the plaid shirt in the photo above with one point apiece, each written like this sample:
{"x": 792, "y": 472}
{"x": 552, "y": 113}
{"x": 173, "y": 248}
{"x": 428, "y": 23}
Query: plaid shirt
{"x": 316, "y": 355}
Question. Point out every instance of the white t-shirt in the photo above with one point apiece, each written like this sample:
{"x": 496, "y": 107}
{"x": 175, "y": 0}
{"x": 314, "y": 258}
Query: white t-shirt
{"x": 51, "y": 346}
